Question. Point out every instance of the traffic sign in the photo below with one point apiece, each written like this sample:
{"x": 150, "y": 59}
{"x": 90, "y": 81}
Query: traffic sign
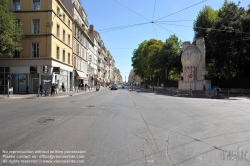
{"x": 190, "y": 75}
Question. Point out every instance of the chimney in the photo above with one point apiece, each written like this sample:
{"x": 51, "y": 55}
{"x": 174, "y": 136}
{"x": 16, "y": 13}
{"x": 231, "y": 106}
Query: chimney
{"x": 91, "y": 29}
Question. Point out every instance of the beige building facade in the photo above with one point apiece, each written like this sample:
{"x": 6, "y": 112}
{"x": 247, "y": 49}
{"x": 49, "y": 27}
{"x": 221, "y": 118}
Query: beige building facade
{"x": 46, "y": 56}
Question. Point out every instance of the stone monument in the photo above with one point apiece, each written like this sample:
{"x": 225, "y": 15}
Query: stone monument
{"x": 193, "y": 66}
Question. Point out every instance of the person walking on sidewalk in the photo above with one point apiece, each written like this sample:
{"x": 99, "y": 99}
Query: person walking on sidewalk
{"x": 53, "y": 87}
{"x": 63, "y": 88}
{"x": 204, "y": 89}
{"x": 41, "y": 88}
{"x": 85, "y": 87}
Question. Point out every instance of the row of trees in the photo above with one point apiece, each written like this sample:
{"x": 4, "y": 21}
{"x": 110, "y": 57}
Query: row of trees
{"x": 227, "y": 37}
{"x": 10, "y": 30}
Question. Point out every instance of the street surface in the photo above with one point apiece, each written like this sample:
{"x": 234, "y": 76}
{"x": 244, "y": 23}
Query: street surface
{"x": 123, "y": 128}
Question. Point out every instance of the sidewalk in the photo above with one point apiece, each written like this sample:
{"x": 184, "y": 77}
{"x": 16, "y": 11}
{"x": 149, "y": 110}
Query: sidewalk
{"x": 32, "y": 96}
{"x": 199, "y": 95}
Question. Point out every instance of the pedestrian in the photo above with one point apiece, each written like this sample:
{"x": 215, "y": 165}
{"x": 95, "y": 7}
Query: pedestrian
{"x": 209, "y": 89}
{"x": 41, "y": 88}
{"x": 88, "y": 87}
{"x": 52, "y": 93}
{"x": 63, "y": 88}
{"x": 204, "y": 89}
{"x": 217, "y": 91}
{"x": 85, "y": 86}
{"x": 27, "y": 89}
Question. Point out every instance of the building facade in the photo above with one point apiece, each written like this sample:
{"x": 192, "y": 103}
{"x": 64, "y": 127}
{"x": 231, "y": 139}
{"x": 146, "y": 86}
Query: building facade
{"x": 47, "y": 47}
{"x": 81, "y": 42}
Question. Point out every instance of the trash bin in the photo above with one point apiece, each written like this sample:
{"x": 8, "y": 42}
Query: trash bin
{"x": 47, "y": 92}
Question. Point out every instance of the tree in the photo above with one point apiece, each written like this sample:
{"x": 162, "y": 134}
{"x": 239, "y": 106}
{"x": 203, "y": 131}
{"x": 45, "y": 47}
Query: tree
{"x": 144, "y": 58}
{"x": 10, "y": 30}
{"x": 225, "y": 38}
{"x": 170, "y": 57}
{"x": 204, "y": 21}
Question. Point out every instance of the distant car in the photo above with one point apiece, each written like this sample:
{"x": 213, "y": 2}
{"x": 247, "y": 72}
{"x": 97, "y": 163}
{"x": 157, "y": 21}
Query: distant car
{"x": 114, "y": 86}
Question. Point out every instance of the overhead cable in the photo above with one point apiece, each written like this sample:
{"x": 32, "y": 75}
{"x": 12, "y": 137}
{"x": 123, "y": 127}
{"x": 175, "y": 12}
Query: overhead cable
{"x": 131, "y": 10}
{"x": 180, "y": 10}
{"x": 154, "y": 12}
{"x": 171, "y": 31}
{"x": 122, "y": 27}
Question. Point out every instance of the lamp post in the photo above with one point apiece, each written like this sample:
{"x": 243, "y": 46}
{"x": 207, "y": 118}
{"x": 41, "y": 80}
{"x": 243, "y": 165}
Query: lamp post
{"x": 9, "y": 78}
{"x": 153, "y": 81}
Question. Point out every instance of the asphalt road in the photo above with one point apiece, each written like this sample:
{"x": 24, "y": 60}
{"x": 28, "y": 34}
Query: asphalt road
{"x": 123, "y": 128}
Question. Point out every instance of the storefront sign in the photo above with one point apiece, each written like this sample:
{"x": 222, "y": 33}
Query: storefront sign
{"x": 56, "y": 70}
{"x": 33, "y": 69}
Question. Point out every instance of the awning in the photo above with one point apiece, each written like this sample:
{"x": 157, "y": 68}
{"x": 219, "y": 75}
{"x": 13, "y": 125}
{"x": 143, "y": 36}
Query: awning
{"x": 81, "y": 74}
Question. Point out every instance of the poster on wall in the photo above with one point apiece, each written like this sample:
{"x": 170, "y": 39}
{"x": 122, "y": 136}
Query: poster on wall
{"x": 46, "y": 81}
{"x": 22, "y": 79}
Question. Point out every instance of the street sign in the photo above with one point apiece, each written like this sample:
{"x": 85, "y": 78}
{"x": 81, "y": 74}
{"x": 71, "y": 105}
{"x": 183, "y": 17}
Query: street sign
{"x": 190, "y": 75}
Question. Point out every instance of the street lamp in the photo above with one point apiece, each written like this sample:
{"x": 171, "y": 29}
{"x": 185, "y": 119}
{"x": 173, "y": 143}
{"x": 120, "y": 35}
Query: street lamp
{"x": 9, "y": 78}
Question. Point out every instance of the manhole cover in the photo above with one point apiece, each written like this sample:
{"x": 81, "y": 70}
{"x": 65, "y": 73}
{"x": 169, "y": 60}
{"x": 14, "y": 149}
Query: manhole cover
{"x": 72, "y": 101}
{"x": 90, "y": 106}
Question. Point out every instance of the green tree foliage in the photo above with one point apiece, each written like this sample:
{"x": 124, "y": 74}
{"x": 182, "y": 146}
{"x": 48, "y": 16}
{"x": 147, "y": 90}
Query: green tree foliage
{"x": 204, "y": 21}
{"x": 170, "y": 57}
{"x": 152, "y": 57}
{"x": 229, "y": 46}
{"x": 10, "y": 30}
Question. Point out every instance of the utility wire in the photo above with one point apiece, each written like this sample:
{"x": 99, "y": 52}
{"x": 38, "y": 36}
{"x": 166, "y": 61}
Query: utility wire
{"x": 230, "y": 31}
{"x": 122, "y": 27}
{"x": 170, "y": 31}
{"x": 173, "y": 21}
{"x": 179, "y": 11}
{"x": 154, "y": 12}
{"x": 155, "y": 31}
{"x": 131, "y": 10}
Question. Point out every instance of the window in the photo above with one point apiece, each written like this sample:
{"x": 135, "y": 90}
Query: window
{"x": 16, "y": 54}
{"x": 77, "y": 48}
{"x": 16, "y": 4}
{"x": 58, "y": 31}
{"x": 63, "y": 55}
{"x": 64, "y": 17}
{"x": 57, "y": 53}
{"x": 58, "y": 11}
{"x": 69, "y": 23}
{"x": 35, "y": 49}
{"x": 68, "y": 58}
{"x": 64, "y": 35}
{"x": 69, "y": 40}
{"x": 35, "y": 26}
{"x": 36, "y": 4}
{"x": 75, "y": 61}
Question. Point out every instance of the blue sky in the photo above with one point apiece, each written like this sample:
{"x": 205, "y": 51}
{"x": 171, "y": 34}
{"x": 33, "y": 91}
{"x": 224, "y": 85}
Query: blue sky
{"x": 169, "y": 17}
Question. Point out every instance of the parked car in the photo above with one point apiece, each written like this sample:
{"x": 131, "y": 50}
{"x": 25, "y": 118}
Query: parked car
{"x": 114, "y": 86}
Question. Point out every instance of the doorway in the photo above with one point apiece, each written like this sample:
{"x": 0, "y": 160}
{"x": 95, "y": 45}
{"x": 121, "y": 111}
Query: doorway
{"x": 35, "y": 85}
